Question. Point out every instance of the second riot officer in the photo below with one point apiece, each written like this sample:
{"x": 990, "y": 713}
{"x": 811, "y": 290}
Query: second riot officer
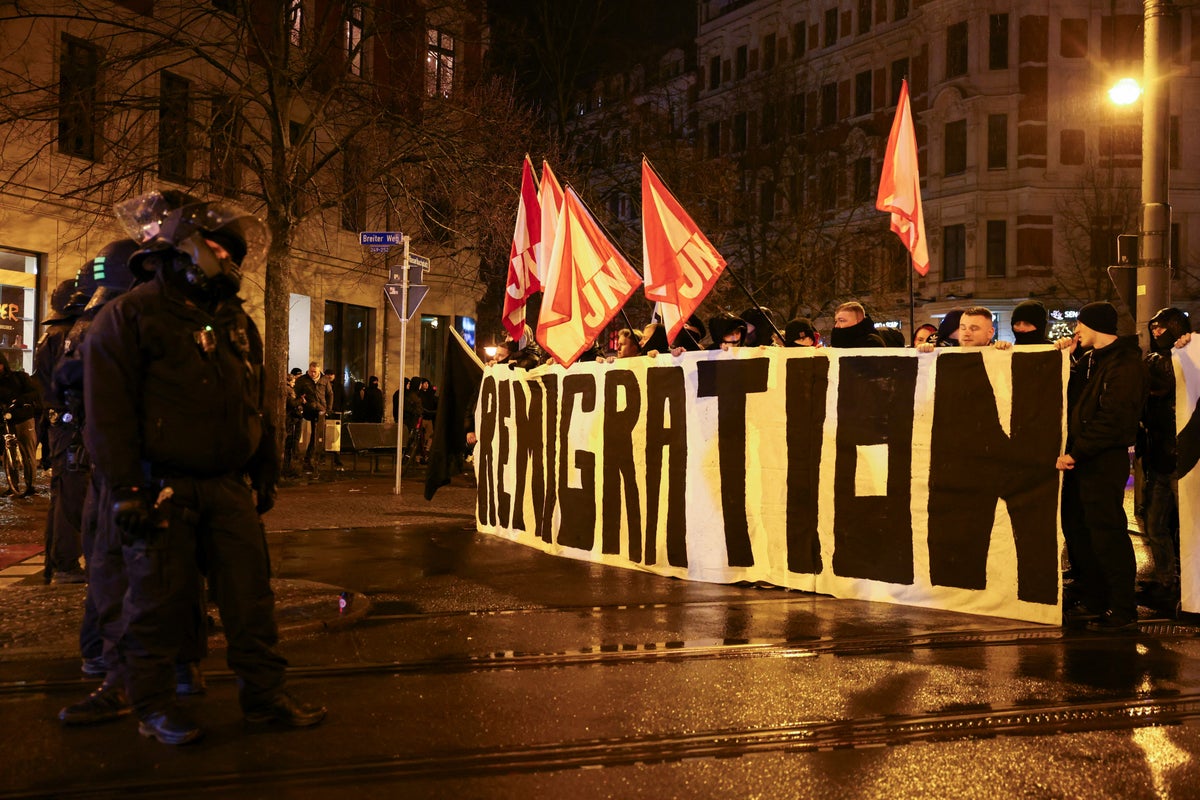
{"x": 174, "y": 395}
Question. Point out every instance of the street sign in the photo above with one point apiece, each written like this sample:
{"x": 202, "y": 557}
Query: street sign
{"x": 388, "y": 238}
{"x": 415, "y": 260}
{"x": 416, "y": 277}
{"x": 395, "y": 296}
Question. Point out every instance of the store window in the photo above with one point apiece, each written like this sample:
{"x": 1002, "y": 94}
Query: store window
{"x": 349, "y": 346}
{"x": 18, "y": 307}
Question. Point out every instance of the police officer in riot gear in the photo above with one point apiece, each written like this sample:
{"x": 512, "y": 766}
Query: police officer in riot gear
{"x": 68, "y": 484}
{"x": 104, "y": 278}
{"x": 174, "y": 392}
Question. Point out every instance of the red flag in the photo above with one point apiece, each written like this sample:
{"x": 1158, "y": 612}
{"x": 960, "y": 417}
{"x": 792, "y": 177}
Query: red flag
{"x": 900, "y": 184}
{"x": 550, "y": 196}
{"x": 522, "y": 258}
{"x": 681, "y": 264}
{"x": 587, "y": 282}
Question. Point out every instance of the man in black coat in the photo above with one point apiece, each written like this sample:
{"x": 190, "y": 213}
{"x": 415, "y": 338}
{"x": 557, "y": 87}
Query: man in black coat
{"x": 19, "y": 395}
{"x": 175, "y": 397}
{"x": 853, "y": 327}
{"x": 1105, "y": 396}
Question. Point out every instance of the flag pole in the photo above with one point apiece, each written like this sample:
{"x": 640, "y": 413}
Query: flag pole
{"x": 729, "y": 269}
{"x": 912, "y": 300}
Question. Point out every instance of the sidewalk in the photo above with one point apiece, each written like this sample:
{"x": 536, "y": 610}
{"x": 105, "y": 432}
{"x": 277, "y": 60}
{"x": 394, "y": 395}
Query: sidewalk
{"x": 42, "y": 621}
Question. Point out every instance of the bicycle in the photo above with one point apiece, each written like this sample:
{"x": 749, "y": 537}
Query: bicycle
{"x": 14, "y": 463}
{"x": 416, "y": 442}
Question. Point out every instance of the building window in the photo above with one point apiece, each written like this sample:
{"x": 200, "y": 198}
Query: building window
{"x": 829, "y": 98}
{"x": 900, "y": 10}
{"x": 831, "y": 25}
{"x": 1073, "y": 38}
{"x": 768, "y": 51}
{"x": 954, "y": 252}
{"x": 768, "y": 127}
{"x": 862, "y": 93}
{"x": 799, "y": 36}
{"x": 740, "y": 61}
{"x": 353, "y": 43}
{"x": 827, "y": 187}
{"x": 296, "y": 23}
{"x": 862, "y": 179}
{"x": 997, "y": 141}
{"x": 713, "y": 134}
{"x": 899, "y": 73}
{"x": 956, "y": 147}
{"x": 173, "y": 114}
{"x": 739, "y": 132}
{"x": 799, "y": 115}
{"x": 997, "y": 248}
{"x": 956, "y": 50}
{"x": 864, "y": 16}
{"x": 1121, "y": 142}
{"x": 1121, "y": 38}
{"x": 439, "y": 63}
{"x": 228, "y": 6}
{"x": 78, "y": 97}
{"x": 766, "y": 201}
{"x": 998, "y": 41}
{"x": 1071, "y": 147}
{"x": 224, "y": 140}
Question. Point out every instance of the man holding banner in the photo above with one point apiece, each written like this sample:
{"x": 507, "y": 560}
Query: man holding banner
{"x": 1105, "y": 397}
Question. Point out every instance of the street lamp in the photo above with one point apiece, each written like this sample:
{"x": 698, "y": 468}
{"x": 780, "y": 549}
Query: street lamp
{"x": 1154, "y": 234}
{"x": 1125, "y": 92}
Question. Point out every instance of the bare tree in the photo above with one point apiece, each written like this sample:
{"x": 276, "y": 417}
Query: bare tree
{"x": 318, "y": 117}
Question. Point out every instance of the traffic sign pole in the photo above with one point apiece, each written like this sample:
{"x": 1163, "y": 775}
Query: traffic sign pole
{"x": 403, "y": 356}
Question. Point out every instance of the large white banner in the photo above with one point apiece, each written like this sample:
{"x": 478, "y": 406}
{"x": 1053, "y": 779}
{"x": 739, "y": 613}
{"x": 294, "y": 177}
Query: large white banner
{"x": 924, "y": 479}
{"x": 1187, "y": 423}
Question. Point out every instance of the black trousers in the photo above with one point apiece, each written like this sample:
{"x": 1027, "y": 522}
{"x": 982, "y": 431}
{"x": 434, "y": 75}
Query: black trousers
{"x": 1096, "y": 530}
{"x": 103, "y": 621}
{"x": 68, "y": 488}
{"x": 209, "y": 521}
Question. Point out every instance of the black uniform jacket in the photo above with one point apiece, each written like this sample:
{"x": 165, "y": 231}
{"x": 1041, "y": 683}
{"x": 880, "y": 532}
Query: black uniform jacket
{"x": 1107, "y": 391}
{"x": 171, "y": 389}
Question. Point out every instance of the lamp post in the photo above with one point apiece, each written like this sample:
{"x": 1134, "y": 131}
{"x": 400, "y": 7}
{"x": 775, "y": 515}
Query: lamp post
{"x": 1154, "y": 239}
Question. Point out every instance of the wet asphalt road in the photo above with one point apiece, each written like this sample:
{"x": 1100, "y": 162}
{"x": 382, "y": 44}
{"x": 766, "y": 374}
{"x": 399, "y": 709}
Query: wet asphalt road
{"x": 485, "y": 669}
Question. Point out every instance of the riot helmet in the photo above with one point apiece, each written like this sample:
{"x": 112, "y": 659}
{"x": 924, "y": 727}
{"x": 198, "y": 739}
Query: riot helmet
{"x": 216, "y": 241}
{"x": 59, "y": 299}
{"x": 109, "y": 273}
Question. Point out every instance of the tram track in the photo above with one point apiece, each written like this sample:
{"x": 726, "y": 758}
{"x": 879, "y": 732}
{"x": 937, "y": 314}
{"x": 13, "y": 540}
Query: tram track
{"x": 547, "y": 757}
{"x": 668, "y": 652}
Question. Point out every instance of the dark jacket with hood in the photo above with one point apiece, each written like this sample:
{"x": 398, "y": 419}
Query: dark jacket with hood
{"x": 18, "y": 390}
{"x": 1156, "y": 445}
{"x": 946, "y": 329}
{"x": 1034, "y": 313}
{"x": 861, "y": 334}
{"x": 1106, "y": 394}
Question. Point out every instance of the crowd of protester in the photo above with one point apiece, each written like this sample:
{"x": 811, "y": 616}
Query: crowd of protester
{"x": 1116, "y": 400}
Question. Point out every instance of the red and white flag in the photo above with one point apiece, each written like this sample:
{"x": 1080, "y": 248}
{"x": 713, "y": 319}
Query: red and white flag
{"x": 681, "y": 264}
{"x": 900, "y": 184}
{"x": 550, "y": 197}
{"x": 523, "y": 255}
{"x": 587, "y": 283}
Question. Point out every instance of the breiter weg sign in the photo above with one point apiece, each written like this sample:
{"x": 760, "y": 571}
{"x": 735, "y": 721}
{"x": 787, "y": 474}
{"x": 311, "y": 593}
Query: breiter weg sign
{"x": 896, "y": 476}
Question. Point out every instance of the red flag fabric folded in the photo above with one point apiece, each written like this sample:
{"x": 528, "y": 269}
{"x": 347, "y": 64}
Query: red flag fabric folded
{"x": 900, "y": 184}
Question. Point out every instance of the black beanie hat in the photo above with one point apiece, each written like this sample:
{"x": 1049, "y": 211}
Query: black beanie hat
{"x": 1030, "y": 311}
{"x": 1100, "y": 317}
{"x": 796, "y": 328}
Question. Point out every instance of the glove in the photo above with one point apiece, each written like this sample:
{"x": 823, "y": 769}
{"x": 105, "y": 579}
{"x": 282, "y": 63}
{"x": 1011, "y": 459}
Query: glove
{"x": 266, "y": 498}
{"x": 131, "y": 513}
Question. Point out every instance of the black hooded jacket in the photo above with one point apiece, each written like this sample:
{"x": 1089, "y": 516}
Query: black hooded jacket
{"x": 1156, "y": 445}
{"x": 861, "y": 334}
{"x": 18, "y": 390}
{"x": 1107, "y": 392}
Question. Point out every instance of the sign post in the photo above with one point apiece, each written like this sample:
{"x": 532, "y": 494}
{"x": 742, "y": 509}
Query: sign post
{"x": 405, "y": 290}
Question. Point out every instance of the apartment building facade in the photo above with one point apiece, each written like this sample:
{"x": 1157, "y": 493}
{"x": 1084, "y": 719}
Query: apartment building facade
{"x": 1028, "y": 171}
{"x": 291, "y": 109}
